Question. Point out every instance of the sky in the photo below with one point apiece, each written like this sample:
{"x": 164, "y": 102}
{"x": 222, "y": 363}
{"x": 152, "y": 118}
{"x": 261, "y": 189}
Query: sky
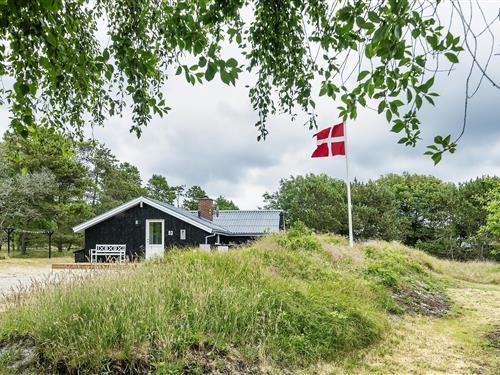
{"x": 208, "y": 138}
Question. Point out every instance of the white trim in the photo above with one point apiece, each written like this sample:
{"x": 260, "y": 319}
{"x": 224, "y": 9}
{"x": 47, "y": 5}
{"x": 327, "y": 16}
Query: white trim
{"x": 147, "y": 244}
{"x": 133, "y": 203}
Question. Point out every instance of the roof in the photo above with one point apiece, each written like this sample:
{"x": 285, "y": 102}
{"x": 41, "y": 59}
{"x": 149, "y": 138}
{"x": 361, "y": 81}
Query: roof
{"x": 227, "y": 222}
{"x": 177, "y": 212}
{"x": 248, "y": 222}
{"x": 181, "y": 211}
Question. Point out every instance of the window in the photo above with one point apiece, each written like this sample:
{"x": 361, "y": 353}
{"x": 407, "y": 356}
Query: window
{"x": 183, "y": 234}
{"x": 155, "y": 233}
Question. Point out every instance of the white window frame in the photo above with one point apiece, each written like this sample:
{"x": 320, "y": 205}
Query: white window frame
{"x": 182, "y": 234}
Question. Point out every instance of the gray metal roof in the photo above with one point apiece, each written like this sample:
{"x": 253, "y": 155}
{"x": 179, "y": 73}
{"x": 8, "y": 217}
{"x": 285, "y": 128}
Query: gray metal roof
{"x": 215, "y": 227}
{"x": 247, "y": 221}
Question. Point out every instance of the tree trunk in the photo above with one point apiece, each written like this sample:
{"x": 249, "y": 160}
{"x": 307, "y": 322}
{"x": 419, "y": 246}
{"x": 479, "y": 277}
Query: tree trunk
{"x": 59, "y": 246}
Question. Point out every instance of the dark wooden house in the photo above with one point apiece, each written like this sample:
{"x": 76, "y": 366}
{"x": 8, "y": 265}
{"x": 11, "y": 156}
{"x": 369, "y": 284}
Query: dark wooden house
{"x": 147, "y": 227}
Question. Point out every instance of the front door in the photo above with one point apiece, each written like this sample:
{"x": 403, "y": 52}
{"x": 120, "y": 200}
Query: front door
{"x": 155, "y": 244}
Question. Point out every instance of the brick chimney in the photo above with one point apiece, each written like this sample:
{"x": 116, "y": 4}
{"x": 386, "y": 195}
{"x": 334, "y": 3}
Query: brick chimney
{"x": 206, "y": 208}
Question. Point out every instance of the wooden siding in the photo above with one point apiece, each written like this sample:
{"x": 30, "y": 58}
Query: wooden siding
{"x": 121, "y": 229}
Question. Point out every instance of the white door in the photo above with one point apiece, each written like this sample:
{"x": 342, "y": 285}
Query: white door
{"x": 155, "y": 244}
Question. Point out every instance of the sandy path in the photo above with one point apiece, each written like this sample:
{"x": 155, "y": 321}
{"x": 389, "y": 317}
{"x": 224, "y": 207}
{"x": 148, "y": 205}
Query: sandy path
{"x": 15, "y": 277}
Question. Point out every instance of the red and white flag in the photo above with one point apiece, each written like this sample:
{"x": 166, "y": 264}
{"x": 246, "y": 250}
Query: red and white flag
{"x": 330, "y": 142}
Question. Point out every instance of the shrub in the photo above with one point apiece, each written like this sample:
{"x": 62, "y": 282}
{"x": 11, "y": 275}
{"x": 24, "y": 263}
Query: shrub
{"x": 299, "y": 237}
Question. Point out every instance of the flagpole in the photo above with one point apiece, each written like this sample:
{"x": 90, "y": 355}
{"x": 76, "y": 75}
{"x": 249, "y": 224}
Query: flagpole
{"x": 348, "y": 183}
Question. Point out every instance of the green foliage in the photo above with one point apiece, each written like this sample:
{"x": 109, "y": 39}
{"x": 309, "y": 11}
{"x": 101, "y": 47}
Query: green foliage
{"x": 222, "y": 203}
{"x": 51, "y": 151}
{"x": 320, "y": 202}
{"x": 299, "y": 237}
{"x": 122, "y": 184}
{"x": 441, "y": 218}
{"x": 71, "y": 74}
{"x": 391, "y": 267}
{"x": 158, "y": 188}
{"x": 191, "y": 197}
{"x": 425, "y": 205}
{"x": 493, "y": 210}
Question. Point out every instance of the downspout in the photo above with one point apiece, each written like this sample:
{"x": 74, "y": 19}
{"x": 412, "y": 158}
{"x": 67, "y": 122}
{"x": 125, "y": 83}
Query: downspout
{"x": 206, "y": 238}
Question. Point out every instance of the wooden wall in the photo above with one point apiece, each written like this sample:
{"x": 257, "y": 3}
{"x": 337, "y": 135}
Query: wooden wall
{"x": 121, "y": 229}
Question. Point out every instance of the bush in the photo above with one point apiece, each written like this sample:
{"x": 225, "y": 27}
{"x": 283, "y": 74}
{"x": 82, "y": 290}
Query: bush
{"x": 299, "y": 237}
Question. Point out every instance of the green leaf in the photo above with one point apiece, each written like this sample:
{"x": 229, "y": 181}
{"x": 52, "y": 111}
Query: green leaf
{"x": 363, "y": 74}
{"x": 436, "y": 157}
{"x": 452, "y": 57}
{"x": 232, "y": 63}
{"x": 210, "y": 72}
{"x": 52, "y": 39}
{"x": 381, "y": 107}
{"x": 398, "y": 126}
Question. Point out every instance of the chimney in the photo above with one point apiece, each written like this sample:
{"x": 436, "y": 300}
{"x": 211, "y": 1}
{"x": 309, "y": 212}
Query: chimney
{"x": 206, "y": 208}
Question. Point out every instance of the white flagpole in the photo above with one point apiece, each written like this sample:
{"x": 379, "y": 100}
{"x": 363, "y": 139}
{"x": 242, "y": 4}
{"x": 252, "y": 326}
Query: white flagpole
{"x": 348, "y": 183}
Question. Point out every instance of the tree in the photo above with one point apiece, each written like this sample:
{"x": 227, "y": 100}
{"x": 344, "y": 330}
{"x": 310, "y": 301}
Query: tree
{"x": 100, "y": 163}
{"x": 491, "y": 228}
{"x": 191, "y": 197}
{"x": 158, "y": 188}
{"x": 375, "y": 212}
{"x": 222, "y": 203}
{"x": 179, "y": 193}
{"x": 122, "y": 184}
{"x": 317, "y": 200}
{"x": 426, "y": 209}
{"x": 23, "y": 200}
{"x": 50, "y": 150}
{"x": 320, "y": 203}
{"x": 61, "y": 72}
{"x": 471, "y": 215}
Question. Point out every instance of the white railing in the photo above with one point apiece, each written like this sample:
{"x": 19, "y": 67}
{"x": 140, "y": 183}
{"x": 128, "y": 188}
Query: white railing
{"x": 108, "y": 251}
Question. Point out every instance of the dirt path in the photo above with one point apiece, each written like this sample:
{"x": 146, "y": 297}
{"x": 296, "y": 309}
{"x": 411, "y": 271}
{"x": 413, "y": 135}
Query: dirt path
{"x": 456, "y": 344}
{"x": 21, "y": 274}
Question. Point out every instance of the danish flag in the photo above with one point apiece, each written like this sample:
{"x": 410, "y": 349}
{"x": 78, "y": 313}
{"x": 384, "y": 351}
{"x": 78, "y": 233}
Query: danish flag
{"x": 330, "y": 139}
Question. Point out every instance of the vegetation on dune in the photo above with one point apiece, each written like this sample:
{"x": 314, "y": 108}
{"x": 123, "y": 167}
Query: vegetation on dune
{"x": 454, "y": 221}
{"x": 285, "y": 306}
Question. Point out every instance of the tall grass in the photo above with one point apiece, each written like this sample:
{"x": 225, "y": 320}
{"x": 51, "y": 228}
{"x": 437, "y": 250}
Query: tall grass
{"x": 285, "y": 307}
{"x": 285, "y": 301}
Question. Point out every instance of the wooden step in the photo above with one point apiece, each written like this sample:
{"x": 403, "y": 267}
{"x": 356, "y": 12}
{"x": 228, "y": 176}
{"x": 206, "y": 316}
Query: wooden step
{"x": 88, "y": 266}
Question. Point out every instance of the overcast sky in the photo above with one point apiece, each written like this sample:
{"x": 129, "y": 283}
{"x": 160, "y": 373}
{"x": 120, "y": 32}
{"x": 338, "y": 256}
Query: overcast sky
{"x": 208, "y": 139}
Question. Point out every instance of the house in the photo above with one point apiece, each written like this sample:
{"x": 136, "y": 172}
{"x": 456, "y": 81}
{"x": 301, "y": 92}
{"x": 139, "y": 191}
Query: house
{"x": 147, "y": 226}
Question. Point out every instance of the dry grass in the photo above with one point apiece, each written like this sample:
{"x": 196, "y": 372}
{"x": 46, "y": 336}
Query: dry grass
{"x": 33, "y": 262}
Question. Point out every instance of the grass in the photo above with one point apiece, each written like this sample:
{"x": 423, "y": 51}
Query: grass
{"x": 36, "y": 253}
{"x": 34, "y": 262}
{"x": 291, "y": 302}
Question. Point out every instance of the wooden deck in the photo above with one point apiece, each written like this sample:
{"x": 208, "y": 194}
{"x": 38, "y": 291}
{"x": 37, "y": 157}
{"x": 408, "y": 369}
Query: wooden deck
{"x": 90, "y": 266}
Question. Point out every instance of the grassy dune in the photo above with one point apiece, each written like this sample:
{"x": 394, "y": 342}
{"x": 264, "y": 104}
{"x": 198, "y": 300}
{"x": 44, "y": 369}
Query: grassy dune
{"x": 288, "y": 303}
